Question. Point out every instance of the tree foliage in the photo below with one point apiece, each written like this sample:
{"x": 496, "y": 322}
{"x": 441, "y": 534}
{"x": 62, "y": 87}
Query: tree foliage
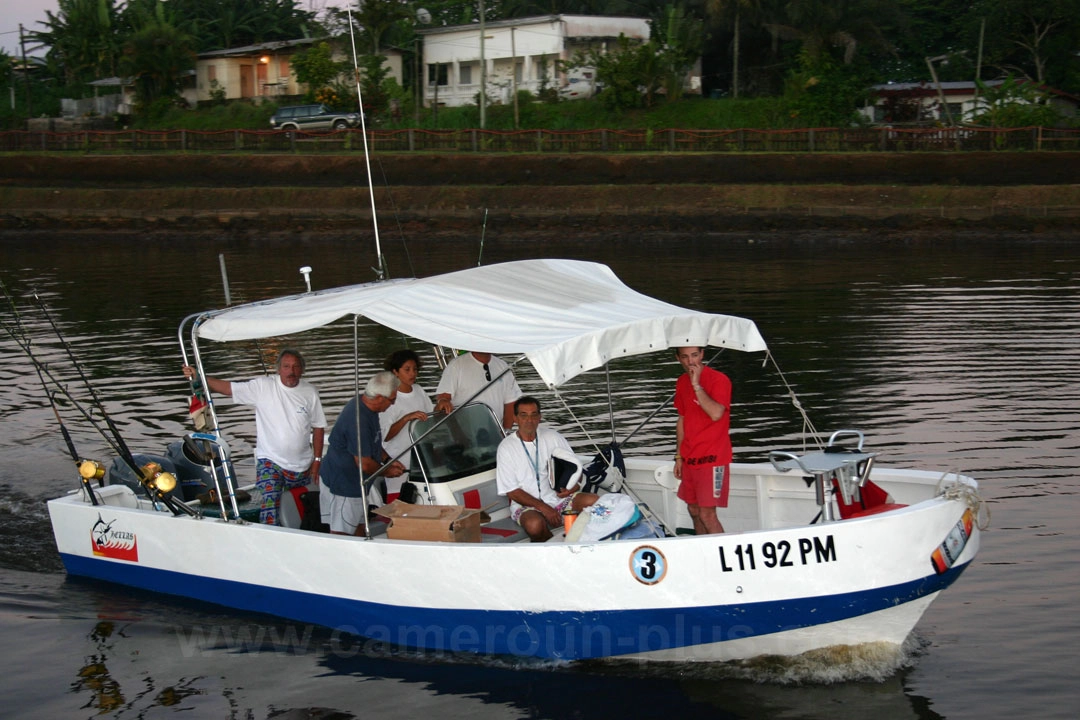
{"x": 84, "y": 39}
{"x": 824, "y": 92}
{"x": 1034, "y": 39}
{"x": 317, "y": 68}
{"x": 1014, "y": 103}
{"x": 806, "y": 50}
{"x": 156, "y": 56}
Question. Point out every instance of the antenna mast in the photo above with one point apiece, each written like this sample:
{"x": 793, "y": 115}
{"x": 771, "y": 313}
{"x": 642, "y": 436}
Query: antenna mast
{"x": 380, "y": 271}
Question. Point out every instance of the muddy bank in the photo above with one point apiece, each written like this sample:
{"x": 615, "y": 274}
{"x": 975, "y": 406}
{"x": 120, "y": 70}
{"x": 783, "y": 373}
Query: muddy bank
{"x": 435, "y": 170}
{"x": 530, "y": 193}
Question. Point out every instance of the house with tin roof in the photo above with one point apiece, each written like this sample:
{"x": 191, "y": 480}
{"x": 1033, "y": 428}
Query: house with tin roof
{"x": 942, "y": 103}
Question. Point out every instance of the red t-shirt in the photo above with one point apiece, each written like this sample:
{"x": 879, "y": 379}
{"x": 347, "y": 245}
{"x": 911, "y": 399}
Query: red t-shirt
{"x": 704, "y": 442}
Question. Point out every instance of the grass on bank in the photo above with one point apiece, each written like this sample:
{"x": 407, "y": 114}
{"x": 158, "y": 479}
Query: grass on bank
{"x": 695, "y": 112}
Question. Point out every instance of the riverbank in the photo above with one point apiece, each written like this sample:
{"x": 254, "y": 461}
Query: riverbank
{"x": 684, "y": 193}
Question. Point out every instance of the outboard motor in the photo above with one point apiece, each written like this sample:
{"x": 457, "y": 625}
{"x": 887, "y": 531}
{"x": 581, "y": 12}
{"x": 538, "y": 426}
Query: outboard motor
{"x": 193, "y": 459}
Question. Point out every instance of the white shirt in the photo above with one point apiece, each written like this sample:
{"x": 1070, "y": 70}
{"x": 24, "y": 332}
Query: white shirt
{"x": 284, "y": 418}
{"x": 465, "y": 375}
{"x": 521, "y": 465}
{"x": 406, "y": 403}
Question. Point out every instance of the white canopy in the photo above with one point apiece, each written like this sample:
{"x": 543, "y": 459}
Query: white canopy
{"x": 565, "y": 316}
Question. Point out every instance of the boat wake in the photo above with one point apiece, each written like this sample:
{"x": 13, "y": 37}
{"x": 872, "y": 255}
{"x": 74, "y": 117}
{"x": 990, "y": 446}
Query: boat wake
{"x": 874, "y": 661}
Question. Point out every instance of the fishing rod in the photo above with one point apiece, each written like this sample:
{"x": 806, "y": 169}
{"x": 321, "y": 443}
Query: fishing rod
{"x": 43, "y": 369}
{"x": 123, "y": 450}
{"x": 87, "y": 468}
{"x": 154, "y": 481}
{"x": 148, "y": 476}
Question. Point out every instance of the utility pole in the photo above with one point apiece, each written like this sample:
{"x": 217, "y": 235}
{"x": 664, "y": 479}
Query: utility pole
{"x": 978, "y": 65}
{"x": 483, "y": 70}
{"x": 419, "y": 81}
{"x": 941, "y": 93}
{"x": 513, "y": 75}
{"x": 26, "y": 74}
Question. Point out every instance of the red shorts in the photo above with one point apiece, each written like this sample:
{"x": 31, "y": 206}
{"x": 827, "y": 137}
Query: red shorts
{"x": 705, "y": 485}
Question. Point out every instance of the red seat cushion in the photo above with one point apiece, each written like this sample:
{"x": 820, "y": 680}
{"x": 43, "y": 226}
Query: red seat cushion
{"x": 884, "y": 507}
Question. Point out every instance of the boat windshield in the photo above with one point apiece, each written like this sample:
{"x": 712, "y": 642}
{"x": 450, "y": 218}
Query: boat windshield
{"x": 465, "y": 444}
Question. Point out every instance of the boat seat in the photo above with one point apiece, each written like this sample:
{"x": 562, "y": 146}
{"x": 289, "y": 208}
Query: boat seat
{"x": 486, "y": 497}
{"x": 300, "y": 509}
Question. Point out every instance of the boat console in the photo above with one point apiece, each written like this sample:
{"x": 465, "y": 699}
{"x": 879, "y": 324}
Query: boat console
{"x": 836, "y": 466}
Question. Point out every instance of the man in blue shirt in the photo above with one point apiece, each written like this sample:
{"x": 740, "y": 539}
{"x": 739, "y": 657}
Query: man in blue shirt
{"x": 342, "y": 503}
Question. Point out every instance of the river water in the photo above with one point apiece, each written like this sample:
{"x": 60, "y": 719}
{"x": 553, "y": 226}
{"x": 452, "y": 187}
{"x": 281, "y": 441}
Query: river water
{"x": 960, "y": 351}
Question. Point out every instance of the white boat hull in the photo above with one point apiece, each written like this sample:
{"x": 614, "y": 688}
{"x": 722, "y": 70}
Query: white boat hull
{"x": 779, "y": 590}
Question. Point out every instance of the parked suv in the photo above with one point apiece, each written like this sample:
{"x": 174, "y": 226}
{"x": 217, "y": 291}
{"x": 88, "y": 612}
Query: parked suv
{"x": 312, "y": 117}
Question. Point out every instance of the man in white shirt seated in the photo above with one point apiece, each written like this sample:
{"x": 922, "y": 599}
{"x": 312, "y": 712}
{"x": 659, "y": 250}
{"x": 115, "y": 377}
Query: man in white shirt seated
{"x": 522, "y": 474}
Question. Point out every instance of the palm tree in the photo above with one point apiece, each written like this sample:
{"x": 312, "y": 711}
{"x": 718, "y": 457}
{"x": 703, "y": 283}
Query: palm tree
{"x": 735, "y": 9}
{"x": 156, "y": 56}
{"x": 82, "y": 38}
{"x": 821, "y": 25}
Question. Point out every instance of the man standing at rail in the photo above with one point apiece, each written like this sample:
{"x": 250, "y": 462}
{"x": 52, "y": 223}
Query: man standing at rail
{"x": 702, "y": 439}
{"x": 288, "y": 412}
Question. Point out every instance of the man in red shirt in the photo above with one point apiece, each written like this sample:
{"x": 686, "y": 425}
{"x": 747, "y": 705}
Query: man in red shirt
{"x": 703, "y": 445}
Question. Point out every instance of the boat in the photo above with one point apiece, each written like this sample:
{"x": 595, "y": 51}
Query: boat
{"x": 825, "y": 546}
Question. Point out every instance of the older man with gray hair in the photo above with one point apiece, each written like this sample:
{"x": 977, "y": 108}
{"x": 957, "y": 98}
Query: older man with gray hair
{"x": 289, "y": 427}
{"x": 356, "y": 448}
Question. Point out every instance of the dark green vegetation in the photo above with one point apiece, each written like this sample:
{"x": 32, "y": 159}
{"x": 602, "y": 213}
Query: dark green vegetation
{"x": 788, "y": 63}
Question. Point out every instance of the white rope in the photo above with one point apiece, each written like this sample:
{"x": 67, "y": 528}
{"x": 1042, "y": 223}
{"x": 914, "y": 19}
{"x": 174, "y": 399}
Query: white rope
{"x": 580, "y": 424}
{"x": 808, "y": 426}
{"x": 960, "y": 490}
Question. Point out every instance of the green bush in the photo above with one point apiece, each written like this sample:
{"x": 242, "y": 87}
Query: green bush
{"x": 235, "y": 115}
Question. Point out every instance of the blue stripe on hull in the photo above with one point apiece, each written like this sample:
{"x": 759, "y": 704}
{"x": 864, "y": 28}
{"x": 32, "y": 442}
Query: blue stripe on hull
{"x": 558, "y": 634}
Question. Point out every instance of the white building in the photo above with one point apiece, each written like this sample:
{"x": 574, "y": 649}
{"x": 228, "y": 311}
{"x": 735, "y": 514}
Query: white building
{"x": 914, "y": 103}
{"x": 524, "y": 50}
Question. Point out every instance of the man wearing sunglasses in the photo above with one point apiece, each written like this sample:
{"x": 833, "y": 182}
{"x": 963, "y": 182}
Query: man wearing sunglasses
{"x": 473, "y": 371}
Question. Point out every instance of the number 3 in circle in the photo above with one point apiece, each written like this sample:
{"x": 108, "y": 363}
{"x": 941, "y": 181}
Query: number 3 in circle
{"x": 648, "y": 565}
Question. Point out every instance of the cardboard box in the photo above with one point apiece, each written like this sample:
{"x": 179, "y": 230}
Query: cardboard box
{"x": 441, "y": 523}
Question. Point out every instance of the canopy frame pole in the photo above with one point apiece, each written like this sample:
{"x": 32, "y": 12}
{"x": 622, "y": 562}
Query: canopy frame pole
{"x": 364, "y": 487}
{"x": 610, "y": 402}
{"x": 231, "y": 483}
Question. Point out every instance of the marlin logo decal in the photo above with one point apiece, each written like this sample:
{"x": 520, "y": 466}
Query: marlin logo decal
{"x": 116, "y": 544}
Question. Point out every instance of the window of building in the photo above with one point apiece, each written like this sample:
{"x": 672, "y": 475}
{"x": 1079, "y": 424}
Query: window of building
{"x": 465, "y": 77}
{"x": 439, "y": 71}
